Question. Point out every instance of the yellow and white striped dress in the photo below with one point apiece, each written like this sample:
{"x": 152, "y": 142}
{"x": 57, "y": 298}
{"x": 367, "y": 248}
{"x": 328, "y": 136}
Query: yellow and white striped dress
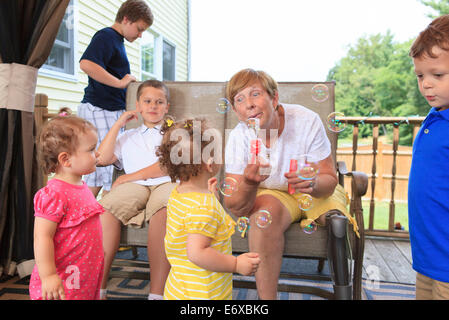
{"x": 199, "y": 213}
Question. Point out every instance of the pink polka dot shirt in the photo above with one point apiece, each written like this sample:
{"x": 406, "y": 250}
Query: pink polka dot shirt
{"x": 78, "y": 239}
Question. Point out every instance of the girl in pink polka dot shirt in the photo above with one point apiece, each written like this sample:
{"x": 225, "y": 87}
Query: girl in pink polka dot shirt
{"x": 68, "y": 244}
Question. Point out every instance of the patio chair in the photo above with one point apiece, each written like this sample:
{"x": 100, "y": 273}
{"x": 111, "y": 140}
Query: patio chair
{"x": 201, "y": 98}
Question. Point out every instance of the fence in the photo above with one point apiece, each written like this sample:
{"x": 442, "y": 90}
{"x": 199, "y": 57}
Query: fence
{"x": 383, "y": 165}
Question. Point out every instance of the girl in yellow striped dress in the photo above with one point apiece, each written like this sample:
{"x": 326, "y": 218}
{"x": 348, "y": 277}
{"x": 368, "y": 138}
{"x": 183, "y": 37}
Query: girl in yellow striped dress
{"x": 198, "y": 236}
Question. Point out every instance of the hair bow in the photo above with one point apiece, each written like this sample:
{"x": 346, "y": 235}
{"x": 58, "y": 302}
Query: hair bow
{"x": 169, "y": 122}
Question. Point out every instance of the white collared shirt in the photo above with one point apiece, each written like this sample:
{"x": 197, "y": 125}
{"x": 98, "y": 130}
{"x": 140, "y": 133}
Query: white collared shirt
{"x": 303, "y": 133}
{"x": 135, "y": 149}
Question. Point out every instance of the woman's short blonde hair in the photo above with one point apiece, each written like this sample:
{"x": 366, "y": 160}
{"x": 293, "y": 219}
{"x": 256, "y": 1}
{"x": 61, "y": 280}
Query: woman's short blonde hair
{"x": 246, "y": 77}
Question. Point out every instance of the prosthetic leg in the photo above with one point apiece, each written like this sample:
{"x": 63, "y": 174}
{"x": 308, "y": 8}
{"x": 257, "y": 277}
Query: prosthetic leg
{"x": 338, "y": 255}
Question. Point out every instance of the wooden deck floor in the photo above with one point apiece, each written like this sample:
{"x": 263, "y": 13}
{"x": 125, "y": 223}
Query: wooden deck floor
{"x": 389, "y": 260}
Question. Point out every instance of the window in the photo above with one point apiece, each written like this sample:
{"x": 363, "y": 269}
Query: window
{"x": 169, "y": 66}
{"x": 148, "y": 57}
{"x": 157, "y": 57}
{"x": 61, "y": 58}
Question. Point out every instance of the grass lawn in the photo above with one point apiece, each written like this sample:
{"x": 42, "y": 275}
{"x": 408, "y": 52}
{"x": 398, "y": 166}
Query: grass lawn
{"x": 381, "y": 214}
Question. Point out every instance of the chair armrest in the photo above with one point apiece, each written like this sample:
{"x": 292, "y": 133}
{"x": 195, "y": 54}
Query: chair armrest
{"x": 359, "y": 187}
{"x": 359, "y": 179}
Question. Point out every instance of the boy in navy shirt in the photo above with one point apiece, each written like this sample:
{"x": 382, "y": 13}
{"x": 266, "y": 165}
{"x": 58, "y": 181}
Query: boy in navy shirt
{"x": 428, "y": 190}
{"x": 106, "y": 63}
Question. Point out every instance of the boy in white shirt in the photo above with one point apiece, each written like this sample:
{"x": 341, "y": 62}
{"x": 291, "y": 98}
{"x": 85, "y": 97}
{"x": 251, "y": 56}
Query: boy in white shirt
{"x": 142, "y": 192}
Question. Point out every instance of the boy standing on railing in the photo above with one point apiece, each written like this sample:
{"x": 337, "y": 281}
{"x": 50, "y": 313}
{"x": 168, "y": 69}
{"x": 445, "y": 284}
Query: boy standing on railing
{"x": 428, "y": 190}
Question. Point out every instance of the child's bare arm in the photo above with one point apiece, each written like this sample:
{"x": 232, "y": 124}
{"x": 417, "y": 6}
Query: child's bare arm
{"x": 203, "y": 255}
{"x": 98, "y": 73}
{"x": 107, "y": 146}
{"x": 44, "y": 253}
{"x": 153, "y": 171}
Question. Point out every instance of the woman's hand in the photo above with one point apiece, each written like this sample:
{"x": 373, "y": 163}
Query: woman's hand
{"x": 251, "y": 175}
{"x": 52, "y": 288}
{"x": 299, "y": 185}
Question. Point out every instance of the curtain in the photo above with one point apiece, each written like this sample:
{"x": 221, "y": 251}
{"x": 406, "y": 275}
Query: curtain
{"x": 28, "y": 29}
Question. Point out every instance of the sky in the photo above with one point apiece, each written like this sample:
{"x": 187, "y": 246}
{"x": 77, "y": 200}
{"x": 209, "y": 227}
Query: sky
{"x": 292, "y": 40}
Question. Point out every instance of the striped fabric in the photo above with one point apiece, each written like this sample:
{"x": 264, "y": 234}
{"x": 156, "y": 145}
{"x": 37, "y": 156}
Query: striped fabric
{"x": 103, "y": 120}
{"x": 198, "y": 213}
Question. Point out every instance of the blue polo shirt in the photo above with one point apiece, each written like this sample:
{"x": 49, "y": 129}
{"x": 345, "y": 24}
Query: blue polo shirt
{"x": 107, "y": 49}
{"x": 428, "y": 197}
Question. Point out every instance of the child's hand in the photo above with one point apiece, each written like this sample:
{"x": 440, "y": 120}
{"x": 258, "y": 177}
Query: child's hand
{"x": 120, "y": 180}
{"x": 212, "y": 186}
{"x": 127, "y": 117}
{"x": 52, "y": 288}
{"x": 126, "y": 80}
{"x": 247, "y": 263}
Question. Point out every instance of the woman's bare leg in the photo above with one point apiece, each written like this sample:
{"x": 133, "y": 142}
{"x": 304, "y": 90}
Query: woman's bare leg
{"x": 269, "y": 243}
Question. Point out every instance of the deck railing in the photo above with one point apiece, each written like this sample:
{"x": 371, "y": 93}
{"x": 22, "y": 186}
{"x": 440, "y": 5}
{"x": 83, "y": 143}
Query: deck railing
{"x": 354, "y": 159}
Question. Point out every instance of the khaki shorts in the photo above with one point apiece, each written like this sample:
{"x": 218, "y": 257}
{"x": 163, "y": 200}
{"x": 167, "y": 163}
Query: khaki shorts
{"x": 337, "y": 201}
{"x": 430, "y": 289}
{"x": 133, "y": 204}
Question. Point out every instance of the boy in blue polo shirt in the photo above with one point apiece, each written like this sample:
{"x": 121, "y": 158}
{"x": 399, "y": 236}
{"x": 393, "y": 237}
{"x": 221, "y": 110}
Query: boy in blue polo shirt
{"x": 106, "y": 63}
{"x": 428, "y": 190}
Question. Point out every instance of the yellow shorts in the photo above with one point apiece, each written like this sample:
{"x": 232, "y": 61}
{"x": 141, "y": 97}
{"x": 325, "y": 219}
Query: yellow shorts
{"x": 337, "y": 201}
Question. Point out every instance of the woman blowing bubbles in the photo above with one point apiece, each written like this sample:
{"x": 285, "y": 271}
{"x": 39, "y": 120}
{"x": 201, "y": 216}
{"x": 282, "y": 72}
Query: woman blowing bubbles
{"x": 254, "y": 94}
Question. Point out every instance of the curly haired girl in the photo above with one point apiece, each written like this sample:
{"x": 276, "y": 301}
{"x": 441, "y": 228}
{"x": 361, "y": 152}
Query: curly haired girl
{"x": 198, "y": 237}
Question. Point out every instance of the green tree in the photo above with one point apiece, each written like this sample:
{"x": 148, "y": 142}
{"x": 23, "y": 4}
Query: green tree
{"x": 377, "y": 78}
{"x": 441, "y": 7}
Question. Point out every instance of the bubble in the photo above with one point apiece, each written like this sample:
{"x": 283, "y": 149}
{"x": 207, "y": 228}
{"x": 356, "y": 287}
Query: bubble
{"x": 228, "y": 186}
{"x": 308, "y": 171}
{"x": 223, "y": 105}
{"x": 310, "y": 226}
{"x": 242, "y": 224}
{"x": 307, "y": 167}
{"x": 335, "y": 123}
{"x": 320, "y": 92}
{"x": 305, "y": 202}
{"x": 263, "y": 219}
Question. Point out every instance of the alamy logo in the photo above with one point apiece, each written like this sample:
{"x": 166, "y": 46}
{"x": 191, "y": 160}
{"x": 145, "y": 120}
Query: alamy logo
{"x": 69, "y": 21}
{"x": 73, "y": 280}
{"x": 373, "y": 273}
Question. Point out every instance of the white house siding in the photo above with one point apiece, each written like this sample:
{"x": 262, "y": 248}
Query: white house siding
{"x": 170, "y": 22}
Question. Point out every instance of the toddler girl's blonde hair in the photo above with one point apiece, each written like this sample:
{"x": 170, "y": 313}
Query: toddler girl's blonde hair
{"x": 60, "y": 134}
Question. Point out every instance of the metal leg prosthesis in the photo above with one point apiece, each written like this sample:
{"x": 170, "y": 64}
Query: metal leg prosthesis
{"x": 339, "y": 252}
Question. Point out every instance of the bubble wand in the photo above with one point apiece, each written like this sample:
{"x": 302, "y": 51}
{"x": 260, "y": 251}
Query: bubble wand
{"x": 293, "y": 168}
